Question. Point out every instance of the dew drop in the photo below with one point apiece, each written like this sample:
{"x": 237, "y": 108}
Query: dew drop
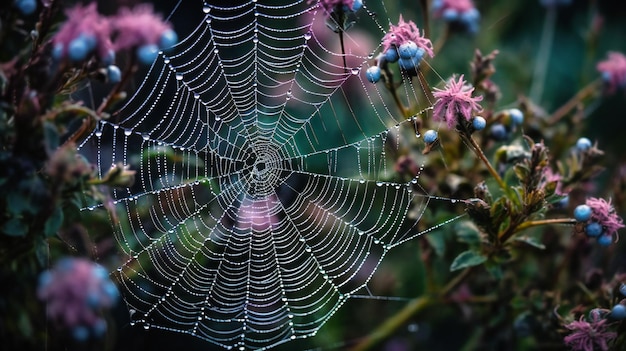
{"x": 255, "y": 40}
{"x": 379, "y": 183}
{"x": 216, "y": 51}
{"x": 116, "y": 127}
{"x": 128, "y": 132}
{"x": 356, "y": 70}
{"x": 418, "y": 135}
{"x": 308, "y": 249}
{"x": 145, "y": 136}
{"x": 146, "y": 326}
{"x": 208, "y": 20}
{"x": 196, "y": 96}
{"x": 206, "y": 8}
{"x": 98, "y": 133}
{"x": 361, "y": 180}
{"x": 179, "y": 76}
{"x": 166, "y": 60}
{"x": 307, "y": 36}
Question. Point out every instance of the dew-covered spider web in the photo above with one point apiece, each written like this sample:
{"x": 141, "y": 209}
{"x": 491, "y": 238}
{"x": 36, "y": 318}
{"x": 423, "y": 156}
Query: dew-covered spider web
{"x": 265, "y": 195}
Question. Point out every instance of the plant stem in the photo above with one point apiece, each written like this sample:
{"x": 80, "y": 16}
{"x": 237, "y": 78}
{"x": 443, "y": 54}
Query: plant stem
{"x": 529, "y": 224}
{"x": 543, "y": 56}
{"x": 479, "y": 152}
{"x": 403, "y": 316}
{"x": 585, "y": 92}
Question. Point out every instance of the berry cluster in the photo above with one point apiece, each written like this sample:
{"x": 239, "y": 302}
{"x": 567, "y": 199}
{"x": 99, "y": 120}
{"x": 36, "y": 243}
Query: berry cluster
{"x": 597, "y": 219}
{"x": 75, "y": 290}
{"x": 461, "y": 13}
{"x": 508, "y": 121}
{"x": 404, "y": 44}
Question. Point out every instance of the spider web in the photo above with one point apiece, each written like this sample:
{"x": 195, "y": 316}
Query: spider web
{"x": 265, "y": 195}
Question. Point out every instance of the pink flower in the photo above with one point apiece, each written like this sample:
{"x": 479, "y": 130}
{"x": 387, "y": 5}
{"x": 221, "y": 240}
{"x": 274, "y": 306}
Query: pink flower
{"x": 613, "y": 71}
{"x": 603, "y": 213}
{"x": 405, "y": 32}
{"x": 330, "y": 5}
{"x": 587, "y": 336}
{"x": 137, "y": 27}
{"x": 74, "y": 291}
{"x": 550, "y": 176}
{"x": 439, "y": 6}
{"x": 84, "y": 22}
{"x": 455, "y": 100}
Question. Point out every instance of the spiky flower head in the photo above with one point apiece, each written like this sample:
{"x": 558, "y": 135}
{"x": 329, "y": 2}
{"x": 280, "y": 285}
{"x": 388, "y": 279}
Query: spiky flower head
{"x": 83, "y": 24}
{"x": 603, "y": 213}
{"x": 406, "y": 32}
{"x": 455, "y": 100}
{"x": 589, "y": 336}
{"x": 138, "y": 27}
{"x": 613, "y": 71}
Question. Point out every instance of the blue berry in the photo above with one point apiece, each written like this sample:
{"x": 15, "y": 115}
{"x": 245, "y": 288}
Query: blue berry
{"x": 419, "y": 54}
{"x": 470, "y": 17}
{"x": 391, "y": 55}
{"x": 582, "y": 213}
{"x": 90, "y": 40}
{"x": 593, "y": 229}
{"x": 373, "y": 74}
{"x": 26, "y": 7}
{"x": 437, "y": 5}
{"x": 430, "y": 136}
{"x": 498, "y": 132}
{"x": 80, "y": 333}
{"x": 583, "y": 144}
{"x": 45, "y": 278}
{"x": 109, "y": 58}
{"x": 563, "y": 203}
{"x": 147, "y": 53}
{"x": 168, "y": 38}
{"x": 409, "y": 64}
{"x": 450, "y": 15}
{"x": 114, "y": 75}
{"x": 622, "y": 289}
{"x": 407, "y": 50}
{"x": 111, "y": 290}
{"x": 356, "y": 5}
{"x": 618, "y": 312}
{"x": 479, "y": 123}
{"x": 517, "y": 117}
{"x": 605, "y": 240}
{"x": 57, "y": 51}
{"x": 99, "y": 328}
{"x": 78, "y": 49}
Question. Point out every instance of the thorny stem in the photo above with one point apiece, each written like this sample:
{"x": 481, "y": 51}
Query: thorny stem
{"x": 403, "y": 316}
{"x": 529, "y": 224}
{"x": 585, "y": 92}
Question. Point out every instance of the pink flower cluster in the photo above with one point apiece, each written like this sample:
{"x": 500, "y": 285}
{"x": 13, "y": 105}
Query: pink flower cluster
{"x": 460, "y": 6}
{"x": 589, "y": 336}
{"x": 75, "y": 289}
{"x": 455, "y": 101}
{"x": 139, "y": 26}
{"x": 330, "y": 5}
{"x": 84, "y": 22}
{"x": 405, "y": 32}
{"x": 613, "y": 71}
{"x": 460, "y": 12}
{"x": 603, "y": 213}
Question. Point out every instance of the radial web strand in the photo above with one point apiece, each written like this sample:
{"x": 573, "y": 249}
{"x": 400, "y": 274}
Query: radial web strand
{"x": 265, "y": 194}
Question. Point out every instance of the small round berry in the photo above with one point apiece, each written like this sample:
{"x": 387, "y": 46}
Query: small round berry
{"x": 450, "y": 15}
{"x": 409, "y": 64}
{"x": 517, "y": 117}
{"x": 356, "y": 5}
{"x": 437, "y": 5}
{"x": 147, "y": 53}
{"x": 498, "y": 132}
{"x": 583, "y": 144}
{"x": 622, "y": 289}
{"x": 605, "y": 240}
{"x": 57, "y": 51}
{"x": 109, "y": 58}
{"x": 618, "y": 311}
{"x": 168, "y": 39}
{"x": 470, "y": 17}
{"x": 90, "y": 40}
{"x": 419, "y": 54}
{"x": 80, "y": 333}
{"x": 593, "y": 229}
{"x": 430, "y": 136}
{"x": 26, "y": 7}
{"x": 78, "y": 49}
{"x": 373, "y": 74}
{"x": 114, "y": 75}
{"x": 479, "y": 123}
{"x": 408, "y": 49}
{"x": 563, "y": 203}
{"x": 391, "y": 55}
{"x": 582, "y": 213}
{"x": 99, "y": 328}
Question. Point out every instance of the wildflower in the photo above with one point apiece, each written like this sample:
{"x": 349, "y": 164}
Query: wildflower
{"x": 613, "y": 71}
{"x": 603, "y": 213}
{"x": 455, "y": 101}
{"x": 588, "y": 336}
{"x": 85, "y": 31}
{"x": 345, "y": 5}
{"x": 75, "y": 290}
{"x": 405, "y": 32}
{"x": 549, "y": 176}
{"x": 460, "y": 12}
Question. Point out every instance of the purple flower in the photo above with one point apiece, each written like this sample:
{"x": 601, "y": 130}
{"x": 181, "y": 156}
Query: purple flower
{"x": 587, "y": 336}
{"x": 603, "y": 213}
{"x": 74, "y": 290}
{"x": 406, "y": 32}
{"x": 84, "y": 31}
{"x": 138, "y": 27}
{"x": 455, "y": 101}
{"x": 330, "y": 5}
{"x": 613, "y": 71}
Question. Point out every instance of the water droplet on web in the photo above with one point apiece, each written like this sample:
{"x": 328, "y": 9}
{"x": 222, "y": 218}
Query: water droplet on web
{"x": 128, "y": 132}
{"x": 255, "y": 39}
{"x": 370, "y": 56}
{"x": 308, "y": 249}
{"x": 116, "y": 127}
{"x": 179, "y": 76}
{"x": 307, "y": 36}
{"x": 208, "y": 20}
{"x": 98, "y": 133}
{"x": 216, "y": 51}
{"x": 356, "y": 70}
{"x": 196, "y": 96}
{"x": 166, "y": 60}
{"x": 302, "y": 240}
{"x": 119, "y": 269}
{"x": 418, "y": 135}
{"x": 361, "y": 180}
{"x": 145, "y": 136}
{"x": 146, "y": 326}
{"x": 206, "y": 8}
{"x": 379, "y": 183}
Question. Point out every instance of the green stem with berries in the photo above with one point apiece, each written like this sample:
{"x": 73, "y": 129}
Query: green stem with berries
{"x": 529, "y": 224}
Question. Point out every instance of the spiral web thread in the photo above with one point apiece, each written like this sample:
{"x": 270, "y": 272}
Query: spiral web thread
{"x": 264, "y": 195}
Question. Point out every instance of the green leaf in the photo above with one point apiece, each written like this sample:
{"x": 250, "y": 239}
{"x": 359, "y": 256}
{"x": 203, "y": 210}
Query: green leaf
{"x": 494, "y": 269}
{"x": 467, "y": 232}
{"x": 54, "y": 222}
{"x": 15, "y": 227}
{"x": 437, "y": 242}
{"x": 467, "y": 259}
{"x": 531, "y": 240}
